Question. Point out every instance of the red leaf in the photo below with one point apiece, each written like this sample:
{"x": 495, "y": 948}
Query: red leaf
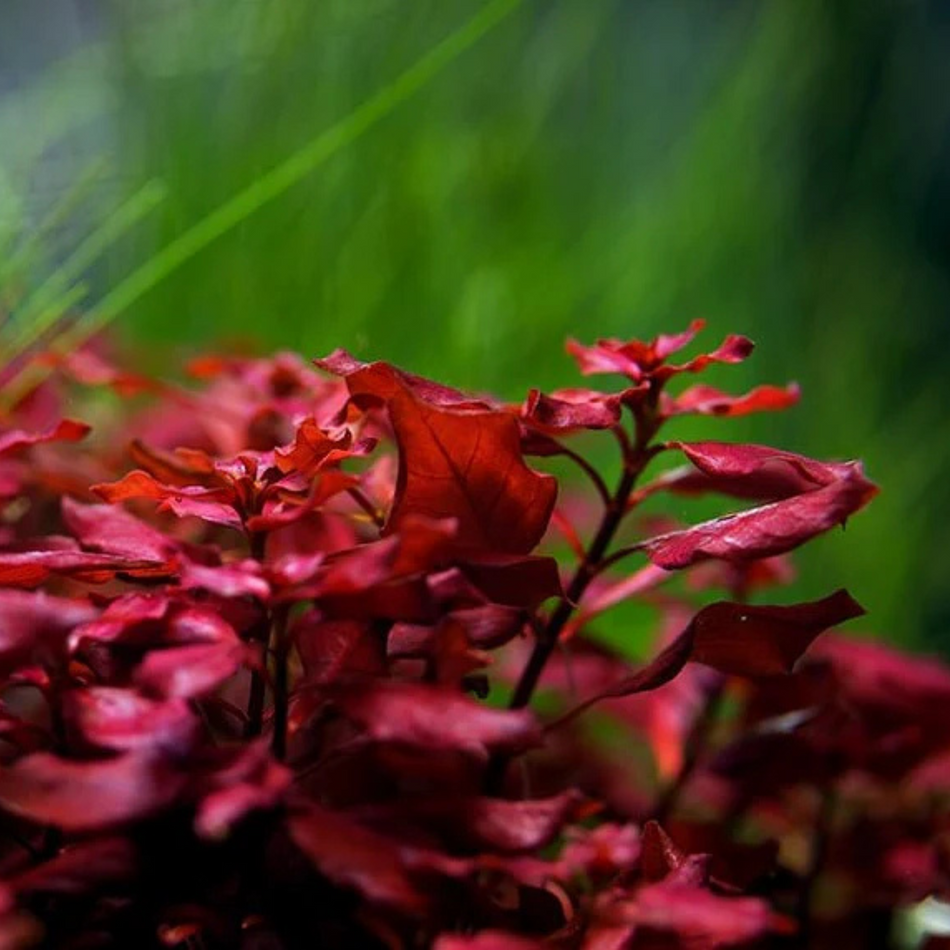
{"x": 34, "y": 626}
{"x": 31, "y": 568}
{"x": 112, "y": 530}
{"x": 525, "y": 581}
{"x": 488, "y": 940}
{"x": 237, "y": 579}
{"x": 708, "y": 401}
{"x": 747, "y": 640}
{"x": 209, "y": 504}
{"x": 83, "y": 796}
{"x": 252, "y": 782}
{"x": 123, "y": 720}
{"x": 458, "y": 460}
{"x": 331, "y": 650}
{"x": 80, "y": 868}
{"x": 567, "y": 410}
{"x": 637, "y": 360}
{"x": 505, "y": 826}
{"x": 738, "y": 639}
{"x": 65, "y": 431}
{"x": 816, "y": 496}
{"x": 699, "y": 917}
{"x": 190, "y": 671}
{"x": 352, "y": 856}
{"x": 437, "y": 719}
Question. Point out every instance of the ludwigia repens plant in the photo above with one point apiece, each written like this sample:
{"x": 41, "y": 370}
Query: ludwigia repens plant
{"x": 305, "y": 677}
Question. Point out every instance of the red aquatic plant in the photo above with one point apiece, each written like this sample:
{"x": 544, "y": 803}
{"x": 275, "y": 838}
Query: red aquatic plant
{"x": 299, "y": 667}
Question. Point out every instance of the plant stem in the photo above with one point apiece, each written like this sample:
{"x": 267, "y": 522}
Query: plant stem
{"x": 375, "y": 515}
{"x": 636, "y": 457}
{"x": 635, "y": 461}
{"x": 280, "y": 645}
{"x": 258, "y": 688}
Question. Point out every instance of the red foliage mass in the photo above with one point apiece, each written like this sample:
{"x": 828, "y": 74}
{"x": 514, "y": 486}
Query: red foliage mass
{"x": 244, "y": 670}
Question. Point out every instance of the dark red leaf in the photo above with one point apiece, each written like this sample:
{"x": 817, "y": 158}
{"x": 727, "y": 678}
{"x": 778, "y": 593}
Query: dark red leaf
{"x": 352, "y": 856}
{"x": 738, "y": 639}
{"x": 659, "y": 855}
{"x": 80, "y": 868}
{"x": 331, "y": 650}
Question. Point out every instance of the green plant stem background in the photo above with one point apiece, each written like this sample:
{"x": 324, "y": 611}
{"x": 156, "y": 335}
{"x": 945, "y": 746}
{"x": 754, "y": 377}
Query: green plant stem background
{"x": 457, "y": 185}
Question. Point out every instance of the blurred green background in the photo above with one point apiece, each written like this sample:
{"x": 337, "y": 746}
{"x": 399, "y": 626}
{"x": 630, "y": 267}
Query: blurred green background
{"x": 457, "y": 185}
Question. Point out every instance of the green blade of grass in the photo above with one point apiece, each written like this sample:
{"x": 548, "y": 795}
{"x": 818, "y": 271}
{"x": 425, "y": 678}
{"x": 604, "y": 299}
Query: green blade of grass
{"x": 36, "y": 316}
{"x": 270, "y": 186}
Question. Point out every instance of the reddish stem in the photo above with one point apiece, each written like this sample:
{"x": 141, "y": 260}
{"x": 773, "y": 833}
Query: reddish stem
{"x": 636, "y": 457}
{"x": 280, "y": 646}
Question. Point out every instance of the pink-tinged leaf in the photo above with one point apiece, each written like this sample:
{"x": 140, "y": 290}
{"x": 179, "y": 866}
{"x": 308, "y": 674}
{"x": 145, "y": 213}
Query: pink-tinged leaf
{"x": 568, "y": 410}
{"x": 122, "y": 720}
{"x": 121, "y": 615}
{"x": 112, "y": 530}
{"x": 699, "y": 917}
{"x": 814, "y": 497}
{"x": 601, "y": 853}
{"x": 488, "y": 940}
{"x": 438, "y": 719}
{"x": 66, "y": 431}
{"x": 189, "y": 672}
{"x": 34, "y": 626}
{"x": 511, "y": 826}
{"x": 459, "y": 462}
{"x": 708, "y": 401}
{"x": 84, "y": 796}
{"x": 352, "y": 856}
{"x": 252, "y": 782}
{"x": 214, "y": 512}
{"x": 752, "y": 471}
{"x": 237, "y": 579}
